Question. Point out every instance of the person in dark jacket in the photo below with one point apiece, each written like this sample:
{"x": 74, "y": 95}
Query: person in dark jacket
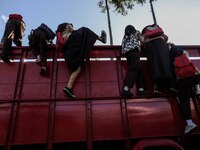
{"x": 14, "y": 32}
{"x": 184, "y": 87}
{"x": 76, "y": 45}
{"x": 38, "y": 42}
{"x": 157, "y": 53}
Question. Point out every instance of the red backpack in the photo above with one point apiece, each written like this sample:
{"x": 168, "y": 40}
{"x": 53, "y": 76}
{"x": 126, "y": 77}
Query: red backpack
{"x": 184, "y": 67}
{"x": 153, "y": 31}
{"x": 15, "y": 16}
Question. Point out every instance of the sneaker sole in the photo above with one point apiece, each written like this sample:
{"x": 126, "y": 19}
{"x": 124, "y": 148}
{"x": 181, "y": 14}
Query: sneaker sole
{"x": 191, "y": 130}
{"x": 69, "y": 94}
{"x": 157, "y": 93}
{"x": 104, "y": 36}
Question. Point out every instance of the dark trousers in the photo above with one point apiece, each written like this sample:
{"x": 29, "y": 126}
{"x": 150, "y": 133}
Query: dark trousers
{"x": 184, "y": 86}
{"x": 78, "y": 46}
{"x": 135, "y": 73}
{"x": 184, "y": 102}
{"x": 38, "y": 45}
{"x": 12, "y": 26}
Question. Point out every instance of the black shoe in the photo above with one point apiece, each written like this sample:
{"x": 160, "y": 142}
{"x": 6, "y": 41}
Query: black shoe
{"x": 173, "y": 91}
{"x": 127, "y": 94}
{"x": 69, "y": 92}
{"x": 156, "y": 91}
{"x": 43, "y": 71}
{"x": 141, "y": 93}
{"x": 104, "y": 36}
{"x": 18, "y": 42}
{"x": 5, "y": 59}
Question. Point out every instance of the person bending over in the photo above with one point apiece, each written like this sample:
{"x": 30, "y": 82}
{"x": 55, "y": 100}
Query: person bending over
{"x": 76, "y": 45}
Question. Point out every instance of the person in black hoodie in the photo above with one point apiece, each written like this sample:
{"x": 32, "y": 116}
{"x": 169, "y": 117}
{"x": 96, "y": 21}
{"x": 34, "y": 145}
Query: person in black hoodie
{"x": 38, "y": 42}
{"x": 76, "y": 44}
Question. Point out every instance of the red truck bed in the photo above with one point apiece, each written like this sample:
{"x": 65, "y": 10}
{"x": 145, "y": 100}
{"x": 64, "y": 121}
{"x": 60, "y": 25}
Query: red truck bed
{"x": 36, "y": 114}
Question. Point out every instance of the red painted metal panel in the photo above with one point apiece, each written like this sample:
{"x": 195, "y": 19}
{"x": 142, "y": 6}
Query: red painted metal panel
{"x": 102, "y": 117}
{"x": 103, "y": 77}
{"x": 35, "y": 86}
{"x": 105, "y": 52}
{"x": 63, "y": 77}
{"x": 8, "y": 80}
{"x": 7, "y": 91}
{"x": 32, "y": 123}
{"x": 9, "y": 73}
{"x": 5, "y": 110}
{"x": 102, "y": 54}
{"x": 32, "y": 75}
{"x": 151, "y": 117}
{"x": 70, "y": 121}
{"x": 36, "y": 91}
{"x": 107, "y": 120}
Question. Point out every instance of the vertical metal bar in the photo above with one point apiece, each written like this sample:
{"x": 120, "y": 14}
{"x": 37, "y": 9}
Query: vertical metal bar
{"x": 124, "y": 114}
{"x": 177, "y": 119}
{"x": 54, "y": 75}
{"x": 52, "y": 105}
{"x": 176, "y": 113}
{"x": 15, "y": 105}
{"x": 87, "y": 78}
{"x": 125, "y": 122}
{"x": 88, "y": 106}
{"x": 11, "y": 126}
{"x": 126, "y": 129}
{"x": 50, "y": 134}
{"x": 89, "y": 125}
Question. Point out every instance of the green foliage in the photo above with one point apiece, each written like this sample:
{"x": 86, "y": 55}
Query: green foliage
{"x": 121, "y": 6}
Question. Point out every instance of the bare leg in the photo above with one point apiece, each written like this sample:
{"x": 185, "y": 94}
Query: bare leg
{"x": 73, "y": 78}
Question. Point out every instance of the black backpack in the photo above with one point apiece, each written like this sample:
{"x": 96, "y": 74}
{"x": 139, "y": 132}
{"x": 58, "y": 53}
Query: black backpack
{"x": 50, "y": 33}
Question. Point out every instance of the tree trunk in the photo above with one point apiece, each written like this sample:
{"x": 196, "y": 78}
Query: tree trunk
{"x": 109, "y": 23}
{"x": 153, "y": 13}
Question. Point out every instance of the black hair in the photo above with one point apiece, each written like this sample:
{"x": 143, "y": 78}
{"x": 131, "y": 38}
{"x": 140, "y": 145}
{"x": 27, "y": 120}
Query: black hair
{"x": 61, "y": 27}
{"x": 129, "y": 30}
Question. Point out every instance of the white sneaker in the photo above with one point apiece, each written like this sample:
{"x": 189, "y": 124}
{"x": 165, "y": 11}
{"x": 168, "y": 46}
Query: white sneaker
{"x": 197, "y": 92}
{"x": 173, "y": 91}
{"x": 156, "y": 90}
{"x": 190, "y": 127}
{"x": 38, "y": 59}
{"x": 197, "y": 89}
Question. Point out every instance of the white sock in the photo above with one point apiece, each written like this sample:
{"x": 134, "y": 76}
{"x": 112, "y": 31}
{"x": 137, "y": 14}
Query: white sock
{"x": 126, "y": 88}
{"x": 189, "y": 121}
{"x": 141, "y": 89}
{"x": 38, "y": 57}
{"x": 197, "y": 87}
